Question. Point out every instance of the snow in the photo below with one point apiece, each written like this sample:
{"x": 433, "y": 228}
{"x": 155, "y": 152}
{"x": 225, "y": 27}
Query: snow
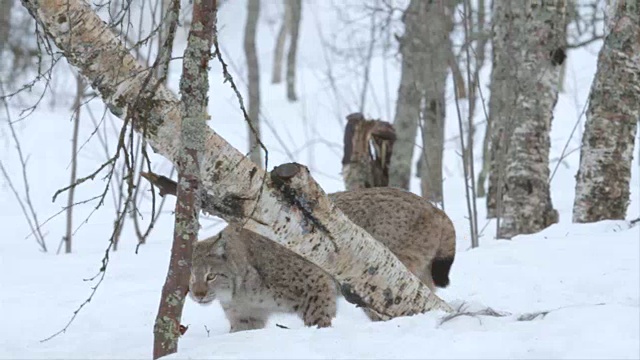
{"x": 585, "y": 278}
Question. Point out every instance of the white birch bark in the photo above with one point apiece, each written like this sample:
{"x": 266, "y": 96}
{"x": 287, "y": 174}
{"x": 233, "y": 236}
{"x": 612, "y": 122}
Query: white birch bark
{"x": 602, "y": 182}
{"x": 288, "y": 207}
{"x": 534, "y": 34}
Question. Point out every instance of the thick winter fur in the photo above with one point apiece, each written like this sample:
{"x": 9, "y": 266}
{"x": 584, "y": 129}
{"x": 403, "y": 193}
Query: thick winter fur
{"x": 253, "y": 277}
{"x": 418, "y": 233}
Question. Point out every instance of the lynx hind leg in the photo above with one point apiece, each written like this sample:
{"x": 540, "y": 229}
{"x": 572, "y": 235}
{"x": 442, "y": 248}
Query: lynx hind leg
{"x": 427, "y": 278}
{"x": 319, "y": 308}
{"x": 240, "y": 320}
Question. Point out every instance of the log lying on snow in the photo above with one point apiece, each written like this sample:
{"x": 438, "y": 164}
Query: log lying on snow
{"x": 287, "y": 207}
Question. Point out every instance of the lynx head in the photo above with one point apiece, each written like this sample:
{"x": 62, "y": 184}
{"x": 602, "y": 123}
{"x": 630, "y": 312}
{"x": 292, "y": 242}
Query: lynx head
{"x": 211, "y": 272}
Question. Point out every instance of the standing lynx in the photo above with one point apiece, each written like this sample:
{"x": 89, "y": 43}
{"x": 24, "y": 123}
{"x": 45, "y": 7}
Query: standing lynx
{"x": 253, "y": 277}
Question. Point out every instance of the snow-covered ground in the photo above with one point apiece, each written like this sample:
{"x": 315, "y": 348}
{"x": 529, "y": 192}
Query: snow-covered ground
{"x": 571, "y": 291}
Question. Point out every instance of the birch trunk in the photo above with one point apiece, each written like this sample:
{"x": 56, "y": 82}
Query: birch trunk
{"x": 286, "y": 206}
{"x": 406, "y": 119}
{"x": 253, "y": 69}
{"x": 438, "y": 54}
{"x": 503, "y": 98}
{"x": 295, "y": 8}
{"x": 278, "y": 52}
{"x": 426, "y": 54}
{"x": 538, "y": 35}
{"x": 602, "y": 183}
{"x": 194, "y": 87}
{"x": 5, "y": 23}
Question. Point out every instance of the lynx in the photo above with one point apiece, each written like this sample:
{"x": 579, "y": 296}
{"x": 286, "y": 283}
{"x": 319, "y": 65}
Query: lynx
{"x": 253, "y": 277}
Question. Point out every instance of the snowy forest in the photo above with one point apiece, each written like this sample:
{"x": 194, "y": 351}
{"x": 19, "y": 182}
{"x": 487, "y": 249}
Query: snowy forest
{"x": 314, "y": 179}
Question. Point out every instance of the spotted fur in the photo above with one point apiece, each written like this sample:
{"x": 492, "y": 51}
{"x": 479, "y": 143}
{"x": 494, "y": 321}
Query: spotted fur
{"x": 253, "y": 277}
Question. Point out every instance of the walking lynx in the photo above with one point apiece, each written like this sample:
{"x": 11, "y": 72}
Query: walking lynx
{"x": 253, "y": 277}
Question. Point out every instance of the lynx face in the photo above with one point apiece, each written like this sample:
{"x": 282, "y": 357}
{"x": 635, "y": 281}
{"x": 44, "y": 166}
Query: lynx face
{"x": 211, "y": 272}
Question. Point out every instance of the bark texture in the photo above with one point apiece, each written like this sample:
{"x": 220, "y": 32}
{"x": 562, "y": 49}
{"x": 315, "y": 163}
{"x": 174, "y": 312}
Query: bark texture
{"x": 287, "y": 207}
{"x": 502, "y": 100}
{"x": 253, "y": 70}
{"x": 534, "y": 38}
{"x": 368, "y": 145}
{"x": 602, "y": 183}
{"x": 426, "y": 54}
{"x": 194, "y": 88}
{"x": 295, "y": 8}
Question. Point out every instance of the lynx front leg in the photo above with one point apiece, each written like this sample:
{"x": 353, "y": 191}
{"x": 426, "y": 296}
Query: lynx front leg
{"x": 319, "y": 310}
{"x": 241, "y": 319}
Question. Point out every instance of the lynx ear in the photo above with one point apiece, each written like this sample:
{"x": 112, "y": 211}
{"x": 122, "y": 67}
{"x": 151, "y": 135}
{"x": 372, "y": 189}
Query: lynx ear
{"x": 219, "y": 247}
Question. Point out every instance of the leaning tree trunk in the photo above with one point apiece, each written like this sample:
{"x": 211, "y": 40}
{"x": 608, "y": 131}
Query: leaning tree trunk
{"x": 602, "y": 183}
{"x": 194, "y": 87}
{"x": 253, "y": 13}
{"x": 368, "y": 145}
{"x": 538, "y": 35}
{"x": 286, "y": 205}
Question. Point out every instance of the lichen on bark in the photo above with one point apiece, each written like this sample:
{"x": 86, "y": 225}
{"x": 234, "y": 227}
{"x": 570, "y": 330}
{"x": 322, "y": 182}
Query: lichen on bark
{"x": 530, "y": 33}
{"x": 602, "y": 182}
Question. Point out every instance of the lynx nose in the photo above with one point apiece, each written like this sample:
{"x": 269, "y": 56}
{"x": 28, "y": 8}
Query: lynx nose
{"x": 199, "y": 293}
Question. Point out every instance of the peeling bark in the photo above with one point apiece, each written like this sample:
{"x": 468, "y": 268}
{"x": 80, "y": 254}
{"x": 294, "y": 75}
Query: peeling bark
{"x": 253, "y": 69}
{"x": 533, "y": 38}
{"x": 360, "y": 167}
{"x": 194, "y": 88}
{"x": 290, "y": 210}
{"x": 602, "y": 182}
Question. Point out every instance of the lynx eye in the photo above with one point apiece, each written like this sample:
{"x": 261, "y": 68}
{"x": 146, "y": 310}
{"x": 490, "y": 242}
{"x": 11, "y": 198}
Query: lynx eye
{"x": 211, "y": 277}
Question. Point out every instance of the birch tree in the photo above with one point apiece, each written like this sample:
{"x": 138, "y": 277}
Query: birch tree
{"x": 426, "y": 55}
{"x": 253, "y": 74}
{"x": 278, "y": 51}
{"x": 602, "y": 182}
{"x": 286, "y": 205}
{"x": 5, "y": 23}
{"x": 295, "y": 11}
{"x": 533, "y": 36}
